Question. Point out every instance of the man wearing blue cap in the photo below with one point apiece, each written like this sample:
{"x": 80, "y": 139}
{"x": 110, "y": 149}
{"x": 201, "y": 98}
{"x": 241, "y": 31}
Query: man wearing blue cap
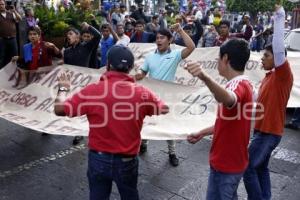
{"x": 115, "y": 107}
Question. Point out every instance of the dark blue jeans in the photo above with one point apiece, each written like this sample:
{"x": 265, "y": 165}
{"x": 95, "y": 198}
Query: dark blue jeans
{"x": 8, "y": 49}
{"x": 257, "y": 177}
{"x": 103, "y": 169}
{"x": 222, "y": 186}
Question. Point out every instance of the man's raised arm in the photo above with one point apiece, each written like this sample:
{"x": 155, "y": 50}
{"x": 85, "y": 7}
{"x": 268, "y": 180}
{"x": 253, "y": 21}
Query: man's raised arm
{"x": 278, "y": 36}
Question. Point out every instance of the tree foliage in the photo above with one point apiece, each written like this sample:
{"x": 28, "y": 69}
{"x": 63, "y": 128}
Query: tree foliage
{"x": 254, "y": 6}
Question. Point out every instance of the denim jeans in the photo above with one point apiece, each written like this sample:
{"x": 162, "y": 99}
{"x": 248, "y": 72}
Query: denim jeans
{"x": 103, "y": 169}
{"x": 222, "y": 186}
{"x": 171, "y": 145}
{"x": 8, "y": 49}
{"x": 257, "y": 177}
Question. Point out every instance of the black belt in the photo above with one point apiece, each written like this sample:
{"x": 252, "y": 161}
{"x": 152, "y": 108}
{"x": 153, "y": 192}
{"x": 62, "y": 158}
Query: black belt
{"x": 114, "y": 154}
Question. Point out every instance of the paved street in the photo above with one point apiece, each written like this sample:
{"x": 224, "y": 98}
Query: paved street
{"x": 35, "y": 167}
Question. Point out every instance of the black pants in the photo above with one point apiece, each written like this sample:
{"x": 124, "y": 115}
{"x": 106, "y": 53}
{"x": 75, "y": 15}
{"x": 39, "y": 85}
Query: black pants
{"x": 8, "y": 49}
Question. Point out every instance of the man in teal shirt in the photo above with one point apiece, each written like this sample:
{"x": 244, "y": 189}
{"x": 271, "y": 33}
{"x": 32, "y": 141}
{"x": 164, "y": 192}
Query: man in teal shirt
{"x": 162, "y": 65}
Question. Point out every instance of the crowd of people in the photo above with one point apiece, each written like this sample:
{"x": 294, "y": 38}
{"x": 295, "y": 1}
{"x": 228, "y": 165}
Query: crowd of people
{"x": 113, "y": 148}
{"x": 206, "y": 27}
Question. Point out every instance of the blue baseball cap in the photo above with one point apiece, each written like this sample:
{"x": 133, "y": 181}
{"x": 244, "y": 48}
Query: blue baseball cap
{"x": 120, "y": 58}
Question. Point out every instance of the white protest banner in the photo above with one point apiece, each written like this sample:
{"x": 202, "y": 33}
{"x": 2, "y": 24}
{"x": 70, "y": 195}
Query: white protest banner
{"x": 208, "y": 57}
{"x": 201, "y": 107}
{"x": 192, "y": 106}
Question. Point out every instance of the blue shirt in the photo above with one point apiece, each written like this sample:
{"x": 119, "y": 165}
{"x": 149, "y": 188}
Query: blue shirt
{"x": 105, "y": 46}
{"x": 162, "y": 66}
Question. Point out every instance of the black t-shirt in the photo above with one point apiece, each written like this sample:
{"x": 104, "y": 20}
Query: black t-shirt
{"x": 80, "y": 54}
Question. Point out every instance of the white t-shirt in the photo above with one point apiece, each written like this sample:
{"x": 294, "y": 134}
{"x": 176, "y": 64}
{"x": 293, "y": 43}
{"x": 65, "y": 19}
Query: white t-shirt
{"x": 211, "y": 19}
{"x": 123, "y": 16}
{"x": 124, "y": 40}
{"x": 199, "y": 15}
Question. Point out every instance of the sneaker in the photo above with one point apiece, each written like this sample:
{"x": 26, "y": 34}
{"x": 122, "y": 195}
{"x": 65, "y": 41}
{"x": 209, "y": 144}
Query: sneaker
{"x": 291, "y": 126}
{"x": 143, "y": 148}
{"x": 77, "y": 140}
{"x": 173, "y": 160}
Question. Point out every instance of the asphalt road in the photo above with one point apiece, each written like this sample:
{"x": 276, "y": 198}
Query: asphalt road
{"x": 36, "y": 167}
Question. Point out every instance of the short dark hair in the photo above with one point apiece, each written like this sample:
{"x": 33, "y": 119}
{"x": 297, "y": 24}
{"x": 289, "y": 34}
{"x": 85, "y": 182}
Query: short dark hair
{"x": 225, "y": 22}
{"x": 85, "y": 31}
{"x": 238, "y": 52}
{"x": 120, "y": 24}
{"x": 104, "y": 26}
{"x": 127, "y": 23}
{"x": 154, "y": 17}
{"x": 165, "y": 32}
{"x": 269, "y": 47}
{"x": 27, "y": 10}
{"x": 34, "y": 29}
{"x": 76, "y": 31}
{"x": 188, "y": 27}
{"x": 139, "y": 22}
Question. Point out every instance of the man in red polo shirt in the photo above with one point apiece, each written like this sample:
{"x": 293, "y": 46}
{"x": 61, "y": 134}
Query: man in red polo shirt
{"x": 228, "y": 156}
{"x": 272, "y": 100}
{"x": 115, "y": 107}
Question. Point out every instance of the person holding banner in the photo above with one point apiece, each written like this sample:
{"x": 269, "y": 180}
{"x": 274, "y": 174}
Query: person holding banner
{"x": 162, "y": 65}
{"x": 228, "y": 156}
{"x": 115, "y": 108}
{"x": 36, "y": 54}
{"x": 272, "y": 101}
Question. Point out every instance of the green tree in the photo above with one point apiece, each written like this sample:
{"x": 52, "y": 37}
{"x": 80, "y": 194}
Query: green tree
{"x": 254, "y": 6}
